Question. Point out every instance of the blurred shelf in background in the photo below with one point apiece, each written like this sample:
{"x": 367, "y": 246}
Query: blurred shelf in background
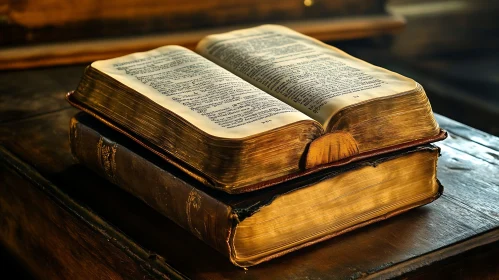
{"x": 52, "y": 32}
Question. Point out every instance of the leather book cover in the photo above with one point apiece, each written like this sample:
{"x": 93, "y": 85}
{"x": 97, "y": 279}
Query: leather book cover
{"x": 209, "y": 214}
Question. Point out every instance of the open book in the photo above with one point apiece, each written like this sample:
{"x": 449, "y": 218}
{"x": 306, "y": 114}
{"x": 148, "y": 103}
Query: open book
{"x": 257, "y": 106}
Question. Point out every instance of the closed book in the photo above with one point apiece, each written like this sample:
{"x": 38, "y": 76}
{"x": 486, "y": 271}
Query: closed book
{"x": 253, "y": 227}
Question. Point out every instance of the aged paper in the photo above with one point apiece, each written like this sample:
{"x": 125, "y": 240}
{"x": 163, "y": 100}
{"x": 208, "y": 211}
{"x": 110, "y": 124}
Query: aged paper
{"x": 196, "y": 89}
{"x": 311, "y": 76}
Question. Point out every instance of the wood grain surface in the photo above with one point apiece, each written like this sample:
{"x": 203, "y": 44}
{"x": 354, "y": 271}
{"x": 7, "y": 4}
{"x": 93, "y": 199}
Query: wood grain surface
{"x": 61, "y": 220}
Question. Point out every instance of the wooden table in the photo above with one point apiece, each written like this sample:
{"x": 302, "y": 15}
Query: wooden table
{"x": 62, "y": 221}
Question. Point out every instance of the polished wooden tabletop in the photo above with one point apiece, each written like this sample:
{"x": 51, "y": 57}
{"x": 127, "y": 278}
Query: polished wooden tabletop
{"x": 60, "y": 220}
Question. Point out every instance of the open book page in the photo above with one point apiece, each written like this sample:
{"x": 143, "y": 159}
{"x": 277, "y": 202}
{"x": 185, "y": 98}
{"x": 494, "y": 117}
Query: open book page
{"x": 196, "y": 89}
{"x": 313, "y": 77}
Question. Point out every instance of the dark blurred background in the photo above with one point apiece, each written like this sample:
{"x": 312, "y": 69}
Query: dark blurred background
{"x": 449, "y": 46}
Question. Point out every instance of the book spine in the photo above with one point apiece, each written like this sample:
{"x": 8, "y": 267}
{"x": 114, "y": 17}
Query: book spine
{"x": 192, "y": 209}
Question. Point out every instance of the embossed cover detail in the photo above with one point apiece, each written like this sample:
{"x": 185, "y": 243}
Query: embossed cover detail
{"x": 106, "y": 152}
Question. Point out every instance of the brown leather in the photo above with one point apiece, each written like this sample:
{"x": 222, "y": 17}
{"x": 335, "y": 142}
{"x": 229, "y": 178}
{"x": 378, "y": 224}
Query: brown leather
{"x": 210, "y": 182}
{"x": 209, "y": 214}
{"x": 192, "y": 209}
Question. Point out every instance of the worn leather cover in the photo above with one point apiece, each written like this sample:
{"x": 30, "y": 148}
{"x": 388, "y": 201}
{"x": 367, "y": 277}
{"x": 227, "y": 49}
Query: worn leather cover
{"x": 209, "y": 214}
{"x": 210, "y": 182}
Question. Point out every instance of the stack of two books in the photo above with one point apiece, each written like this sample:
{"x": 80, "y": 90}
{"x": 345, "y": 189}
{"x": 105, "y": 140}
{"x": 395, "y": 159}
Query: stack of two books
{"x": 261, "y": 142}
